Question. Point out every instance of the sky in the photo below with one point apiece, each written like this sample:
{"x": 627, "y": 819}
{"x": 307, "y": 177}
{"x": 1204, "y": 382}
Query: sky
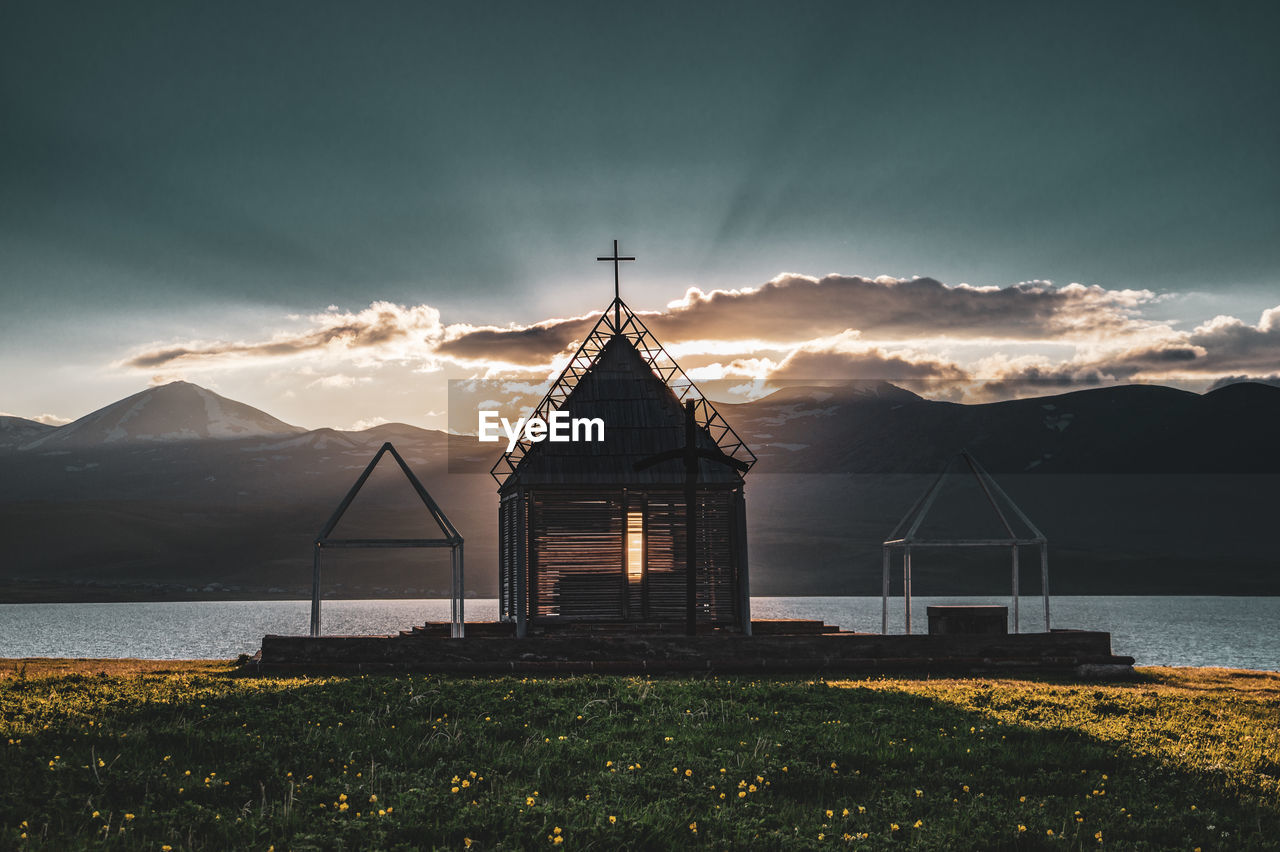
{"x": 331, "y": 210}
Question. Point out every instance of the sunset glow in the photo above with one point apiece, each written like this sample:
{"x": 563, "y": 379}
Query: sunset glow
{"x": 635, "y": 545}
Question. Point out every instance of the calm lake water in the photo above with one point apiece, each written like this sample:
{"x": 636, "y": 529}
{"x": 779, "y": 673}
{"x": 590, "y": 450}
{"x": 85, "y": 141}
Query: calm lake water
{"x": 1178, "y": 631}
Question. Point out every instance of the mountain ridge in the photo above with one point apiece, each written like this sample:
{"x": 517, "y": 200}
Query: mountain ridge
{"x": 178, "y": 411}
{"x": 16, "y": 431}
{"x": 1135, "y": 488}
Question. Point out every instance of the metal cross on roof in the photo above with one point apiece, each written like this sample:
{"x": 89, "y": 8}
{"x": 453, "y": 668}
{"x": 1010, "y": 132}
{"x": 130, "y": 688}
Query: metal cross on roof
{"x": 617, "y": 311}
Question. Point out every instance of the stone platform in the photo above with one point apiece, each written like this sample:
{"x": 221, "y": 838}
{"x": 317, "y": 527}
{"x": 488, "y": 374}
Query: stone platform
{"x": 796, "y": 648}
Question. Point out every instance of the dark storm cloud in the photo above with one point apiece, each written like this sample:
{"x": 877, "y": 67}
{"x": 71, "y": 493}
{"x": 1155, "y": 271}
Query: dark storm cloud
{"x": 793, "y": 308}
{"x": 817, "y": 365}
{"x": 1225, "y": 347}
{"x": 790, "y": 306}
{"x": 533, "y": 344}
{"x": 383, "y": 331}
{"x": 1273, "y": 380}
{"x": 1232, "y": 344}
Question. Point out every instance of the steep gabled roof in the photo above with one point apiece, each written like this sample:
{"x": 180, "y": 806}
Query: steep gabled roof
{"x": 622, "y": 375}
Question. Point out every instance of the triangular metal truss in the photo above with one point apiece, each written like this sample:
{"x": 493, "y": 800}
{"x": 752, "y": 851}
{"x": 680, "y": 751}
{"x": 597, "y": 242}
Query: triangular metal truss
{"x": 991, "y": 490}
{"x": 449, "y": 537}
{"x": 618, "y": 319}
{"x": 449, "y": 533}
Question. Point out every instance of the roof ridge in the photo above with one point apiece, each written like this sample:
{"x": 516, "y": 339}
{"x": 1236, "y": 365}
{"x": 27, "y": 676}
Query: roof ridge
{"x": 629, "y": 326}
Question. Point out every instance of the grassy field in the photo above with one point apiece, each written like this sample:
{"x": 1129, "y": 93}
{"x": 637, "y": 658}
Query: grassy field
{"x": 158, "y": 756}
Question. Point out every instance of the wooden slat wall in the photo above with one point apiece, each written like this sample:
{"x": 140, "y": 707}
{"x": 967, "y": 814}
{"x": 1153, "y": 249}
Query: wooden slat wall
{"x": 717, "y": 571}
{"x": 578, "y": 569}
{"x": 510, "y": 554}
{"x": 578, "y": 559}
{"x": 665, "y": 563}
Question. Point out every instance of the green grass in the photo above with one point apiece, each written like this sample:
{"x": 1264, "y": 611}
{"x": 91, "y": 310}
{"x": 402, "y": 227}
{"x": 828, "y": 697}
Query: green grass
{"x": 130, "y": 755}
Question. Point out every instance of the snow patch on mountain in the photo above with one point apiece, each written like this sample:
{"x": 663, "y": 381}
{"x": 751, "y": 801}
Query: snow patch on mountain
{"x": 178, "y": 411}
{"x": 17, "y": 431}
{"x": 1058, "y": 422}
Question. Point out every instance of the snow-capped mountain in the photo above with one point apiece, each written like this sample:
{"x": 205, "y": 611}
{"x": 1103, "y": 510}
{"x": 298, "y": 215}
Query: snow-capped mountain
{"x": 178, "y": 411}
{"x": 1134, "y": 486}
{"x": 16, "y": 431}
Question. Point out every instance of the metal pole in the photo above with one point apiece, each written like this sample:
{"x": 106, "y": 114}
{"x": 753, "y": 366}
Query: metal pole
{"x": 453, "y": 593}
{"x": 524, "y": 519}
{"x": 462, "y": 596}
{"x": 1015, "y": 588}
{"x": 691, "y": 551}
{"x": 455, "y": 601}
{"x": 906, "y": 585}
{"x": 691, "y": 518}
{"x": 1044, "y": 580}
{"x": 315, "y": 592}
{"x": 884, "y": 591}
{"x": 744, "y": 575}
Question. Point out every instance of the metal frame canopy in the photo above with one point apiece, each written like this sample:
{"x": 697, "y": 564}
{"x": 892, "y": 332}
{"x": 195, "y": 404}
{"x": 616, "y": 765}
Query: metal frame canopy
{"x": 451, "y": 539}
{"x": 915, "y": 517}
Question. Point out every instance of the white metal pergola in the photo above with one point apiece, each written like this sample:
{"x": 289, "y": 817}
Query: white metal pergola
{"x": 909, "y": 540}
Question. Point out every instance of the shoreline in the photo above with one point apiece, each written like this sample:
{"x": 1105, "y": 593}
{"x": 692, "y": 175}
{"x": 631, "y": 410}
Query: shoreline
{"x": 31, "y": 593}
